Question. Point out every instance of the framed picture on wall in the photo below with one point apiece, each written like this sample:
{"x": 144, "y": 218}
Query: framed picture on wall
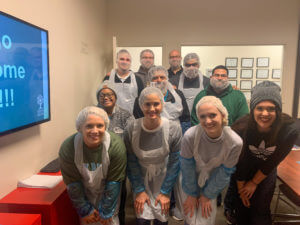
{"x": 247, "y": 94}
{"x": 233, "y": 82}
{"x": 262, "y": 73}
{"x": 276, "y": 73}
{"x": 247, "y": 62}
{"x": 246, "y": 73}
{"x": 231, "y": 61}
{"x": 232, "y": 73}
{"x": 246, "y": 84}
{"x": 262, "y": 62}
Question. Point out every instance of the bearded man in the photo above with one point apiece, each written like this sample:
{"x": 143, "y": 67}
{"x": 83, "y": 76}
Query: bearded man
{"x": 191, "y": 81}
{"x": 219, "y": 86}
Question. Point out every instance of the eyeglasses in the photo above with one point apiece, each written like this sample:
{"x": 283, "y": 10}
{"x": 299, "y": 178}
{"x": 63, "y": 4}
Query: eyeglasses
{"x": 190, "y": 64}
{"x": 145, "y": 57}
{"x": 268, "y": 109}
{"x": 174, "y": 56}
{"x": 220, "y": 75}
{"x": 109, "y": 95}
{"x": 210, "y": 116}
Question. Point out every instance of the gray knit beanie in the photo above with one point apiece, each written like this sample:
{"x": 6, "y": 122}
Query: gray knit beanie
{"x": 264, "y": 91}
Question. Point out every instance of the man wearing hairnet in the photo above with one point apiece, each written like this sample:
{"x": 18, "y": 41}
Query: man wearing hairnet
{"x": 176, "y": 107}
{"x": 126, "y": 83}
{"x": 93, "y": 164}
{"x": 191, "y": 81}
{"x": 147, "y": 61}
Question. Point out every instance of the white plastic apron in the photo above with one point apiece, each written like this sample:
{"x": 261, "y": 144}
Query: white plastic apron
{"x": 126, "y": 92}
{"x": 94, "y": 181}
{"x": 172, "y": 111}
{"x": 154, "y": 167}
{"x": 203, "y": 169}
{"x": 190, "y": 93}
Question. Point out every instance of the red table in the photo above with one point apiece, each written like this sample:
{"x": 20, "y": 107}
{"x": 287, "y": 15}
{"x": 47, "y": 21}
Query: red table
{"x": 20, "y": 219}
{"x": 53, "y": 204}
{"x": 288, "y": 171}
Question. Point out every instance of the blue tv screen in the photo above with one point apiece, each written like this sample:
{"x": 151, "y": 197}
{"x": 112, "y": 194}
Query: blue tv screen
{"x": 24, "y": 75}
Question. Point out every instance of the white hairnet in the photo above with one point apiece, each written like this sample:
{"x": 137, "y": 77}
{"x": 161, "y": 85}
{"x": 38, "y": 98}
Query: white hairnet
{"x": 191, "y": 56}
{"x": 215, "y": 102}
{"x": 91, "y": 110}
{"x": 106, "y": 85}
{"x": 155, "y": 69}
{"x": 148, "y": 91}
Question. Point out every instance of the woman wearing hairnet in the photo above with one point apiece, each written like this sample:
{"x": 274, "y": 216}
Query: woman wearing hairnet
{"x": 93, "y": 164}
{"x": 153, "y": 144}
{"x": 209, "y": 153}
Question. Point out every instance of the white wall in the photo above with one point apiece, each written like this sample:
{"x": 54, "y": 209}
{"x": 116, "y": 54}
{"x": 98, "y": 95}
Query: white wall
{"x": 170, "y": 24}
{"x": 77, "y": 52}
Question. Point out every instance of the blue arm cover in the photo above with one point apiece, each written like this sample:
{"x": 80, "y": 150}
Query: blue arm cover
{"x": 173, "y": 169}
{"x": 134, "y": 174}
{"x": 185, "y": 126}
{"x": 108, "y": 202}
{"x": 217, "y": 181}
{"x": 189, "y": 176}
{"x": 79, "y": 200}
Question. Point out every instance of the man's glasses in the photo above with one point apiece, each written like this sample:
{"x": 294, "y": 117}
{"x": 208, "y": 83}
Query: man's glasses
{"x": 219, "y": 75}
{"x": 190, "y": 64}
{"x": 109, "y": 95}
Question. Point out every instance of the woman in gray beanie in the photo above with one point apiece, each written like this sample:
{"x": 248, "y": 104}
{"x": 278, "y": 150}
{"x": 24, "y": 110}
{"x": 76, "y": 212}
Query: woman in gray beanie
{"x": 253, "y": 183}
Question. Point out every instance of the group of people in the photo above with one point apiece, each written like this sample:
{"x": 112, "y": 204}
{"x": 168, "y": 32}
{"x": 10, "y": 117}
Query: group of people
{"x": 180, "y": 138}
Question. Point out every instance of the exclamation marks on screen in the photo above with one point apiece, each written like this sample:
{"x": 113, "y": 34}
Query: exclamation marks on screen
{"x": 6, "y": 98}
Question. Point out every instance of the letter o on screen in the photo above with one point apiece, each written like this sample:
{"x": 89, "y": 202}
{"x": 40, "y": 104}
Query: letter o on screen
{"x": 6, "y": 41}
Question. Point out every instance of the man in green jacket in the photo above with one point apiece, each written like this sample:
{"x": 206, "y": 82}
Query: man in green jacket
{"x": 234, "y": 100}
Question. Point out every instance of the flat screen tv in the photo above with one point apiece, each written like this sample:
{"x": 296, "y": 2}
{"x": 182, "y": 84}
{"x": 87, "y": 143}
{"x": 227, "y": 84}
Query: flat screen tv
{"x": 24, "y": 74}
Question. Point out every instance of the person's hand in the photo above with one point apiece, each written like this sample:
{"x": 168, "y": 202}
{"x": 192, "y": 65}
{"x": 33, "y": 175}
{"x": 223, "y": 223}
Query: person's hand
{"x": 139, "y": 202}
{"x": 205, "y": 204}
{"x": 245, "y": 200}
{"x": 248, "y": 189}
{"x": 164, "y": 201}
{"x": 190, "y": 205}
{"x": 92, "y": 218}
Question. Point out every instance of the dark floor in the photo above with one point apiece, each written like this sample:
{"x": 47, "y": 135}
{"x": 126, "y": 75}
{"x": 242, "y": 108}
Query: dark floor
{"x": 220, "y": 219}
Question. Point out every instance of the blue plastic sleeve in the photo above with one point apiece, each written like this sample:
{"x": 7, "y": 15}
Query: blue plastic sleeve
{"x": 173, "y": 169}
{"x": 79, "y": 200}
{"x": 185, "y": 126}
{"x": 189, "y": 176}
{"x": 135, "y": 174}
{"x": 109, "y": 200}
{"x": 217, "y": 181}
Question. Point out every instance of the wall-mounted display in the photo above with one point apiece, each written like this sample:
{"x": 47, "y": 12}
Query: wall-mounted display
{"x": 231, "y": 62}
{"x": 232, "y": 73}
{"x": 262, "y": 73}
{"x": 247, "y": 94}
{"x": 262, "y": 62}
{"x": 246, "y": 73}
{"x": 233, "y": 82}
{"x": 247, "y": 62}
{"x": 276, "y": 73}
{"x": 246, "y": 84}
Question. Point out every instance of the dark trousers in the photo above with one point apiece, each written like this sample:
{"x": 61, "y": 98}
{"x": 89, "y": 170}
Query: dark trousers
{"x": 121, "y": 214}
{"x": 140, "y": 221}
{"x": 259, "y": 212}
